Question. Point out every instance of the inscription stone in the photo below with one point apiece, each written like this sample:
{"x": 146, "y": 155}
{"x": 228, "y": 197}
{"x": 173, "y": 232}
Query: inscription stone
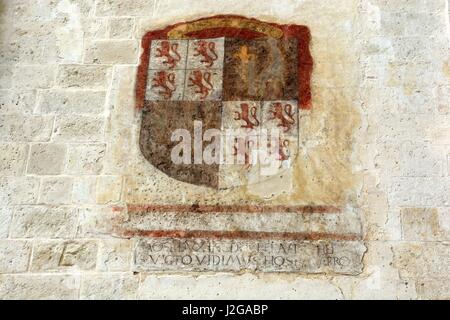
{"x": 171, "y": 254}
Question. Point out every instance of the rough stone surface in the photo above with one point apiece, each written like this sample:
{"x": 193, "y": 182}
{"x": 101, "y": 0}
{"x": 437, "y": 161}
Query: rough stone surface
{"x": 18, "y": 190}
{"x": 79, "y": 129}
{"x": 85, "y": 159}
{"x": 43, "y": 222}
{"x": 13, "y": 159}
{"x": 83, "y": 76}
{"x": 72, "y": 102}
{"x": 121, "y": 28}
{"x": 231, "y": 287}
{"x": 109, "y": 287}
{"x": 109, "y": 189}
{"x": 5, "y": 220}
{"x": 18, "y": 127}
{"x": 67, "y": 255}
{"x": 112, "y": 52}
{"x": 115, "y": 255}
{"x": 57, "y": 190}
{"x": 375, "y": 143}
{"x": 47, "y": 159}
{"x": 15, "y": 256}
{"x": 35, "y": 286}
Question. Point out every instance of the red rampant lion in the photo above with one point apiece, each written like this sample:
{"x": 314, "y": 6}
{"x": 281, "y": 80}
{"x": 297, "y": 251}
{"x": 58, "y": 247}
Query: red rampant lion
{"x": 285, "y": 121}
{"x": 202, "y": 81}
{"x": 245, "y": 114}
{"x": 202, "y": 50}
{"x": 169, "y": 52}
{"x": 166, "y": 81}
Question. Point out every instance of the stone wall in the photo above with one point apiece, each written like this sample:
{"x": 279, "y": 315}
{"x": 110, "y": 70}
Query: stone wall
{"x": 67, "y": 115}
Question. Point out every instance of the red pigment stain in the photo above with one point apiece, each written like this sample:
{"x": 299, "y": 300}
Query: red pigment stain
{"x": 251, "y": 235}
{"x": 198, "y": 208}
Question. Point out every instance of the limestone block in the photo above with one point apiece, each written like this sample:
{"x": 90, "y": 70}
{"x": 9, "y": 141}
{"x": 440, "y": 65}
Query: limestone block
{"x": 448, "y": 164}
{"x": 99, "y": 222}
{"x": 34, "y": 42}
{"x": 13, "y": 158}
{"x": 444, "y": 219}
{"x": 18, "y": 190}
{"x": 414, "y": 75}
{"x": 79, "y": 128}
{"x": 115, "y": 255}
{"x": 408, "y": 6}
{"x": 83, "y": 76}
{"x": 422, "y": 224}
{"x": 47, "y": 159}
{"x": 5, "y": 98}
{"x": 413, "y": 48}
{"x": 109, "y": 287}
{"x": 21, "y": 101}
{"x": 124, "y": 7}
{"x": 400, "y": 127}
{"x": 95, "y": 28}
{"x": 18, "y": 127}
{"x": 121, "y": 28}
{"x": 36, "y": 286}
{"x": 34, "y": 77}
{"x": 5, "y": 77}
{"x": 418, "y": 102}
{"x": 410, "y": 159}
{"x": 232, "y": 287}
{"x": 109, "y": 189}
{"x": 112, "y": 52}
{"x": 378, "y": 49}
{"x": 84, "y": 190}
{"x": 414, "y": 23}
{"x": 85, "y": 159}
{"x": 44, "y": 222}
{"x": 429, "y": 289}
{"x": 381, "y": 279}
{"x": 443, "y": 97}
{"x": 56, "y": 190}
{"x": 421, "y": 191}
{"x": 441, "y": 136}
{"x": 64, "y": 255}
{"x": 5, "y": 220}
{"x": 423, "y": 260}
{"x": 392, "y": 24}
{"x": 46, "y": 8}
{"x": 14, "y": 256}
{"x": 71, "y": 102}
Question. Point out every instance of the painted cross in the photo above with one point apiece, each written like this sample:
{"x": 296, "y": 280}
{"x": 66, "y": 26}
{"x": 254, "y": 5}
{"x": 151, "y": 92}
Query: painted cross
{"x": 230, "y": 73}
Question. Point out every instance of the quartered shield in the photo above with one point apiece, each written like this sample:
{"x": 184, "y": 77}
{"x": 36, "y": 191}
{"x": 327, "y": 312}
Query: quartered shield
{"x": 234, "y": 75}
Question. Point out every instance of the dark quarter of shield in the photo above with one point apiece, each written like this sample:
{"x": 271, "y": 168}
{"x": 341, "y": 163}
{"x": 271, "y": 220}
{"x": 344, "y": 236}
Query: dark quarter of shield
{"x": 160, "y": 119}
{"x": 260, "y": 69}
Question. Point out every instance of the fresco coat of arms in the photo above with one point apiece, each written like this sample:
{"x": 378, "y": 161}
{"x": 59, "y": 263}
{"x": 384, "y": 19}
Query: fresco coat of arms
{"x": 231, "y": 74}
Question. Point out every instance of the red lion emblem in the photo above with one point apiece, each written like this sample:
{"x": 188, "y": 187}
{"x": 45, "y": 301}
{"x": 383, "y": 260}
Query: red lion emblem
{"x": 202, "y": 50}
{"x": 169, "y": 52}
{"x": 165, "y": 81}
{"x": 202, "y": 81}
{"x": 285, "y": 121}
{"x": 245, "y": 114}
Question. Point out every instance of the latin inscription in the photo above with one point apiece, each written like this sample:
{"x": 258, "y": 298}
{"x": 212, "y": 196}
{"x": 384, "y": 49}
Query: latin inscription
{"x": 258, "y": 255}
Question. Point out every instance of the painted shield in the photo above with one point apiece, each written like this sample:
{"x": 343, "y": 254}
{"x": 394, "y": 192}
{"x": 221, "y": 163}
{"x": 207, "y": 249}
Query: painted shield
{"x": 221, "y": 99}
